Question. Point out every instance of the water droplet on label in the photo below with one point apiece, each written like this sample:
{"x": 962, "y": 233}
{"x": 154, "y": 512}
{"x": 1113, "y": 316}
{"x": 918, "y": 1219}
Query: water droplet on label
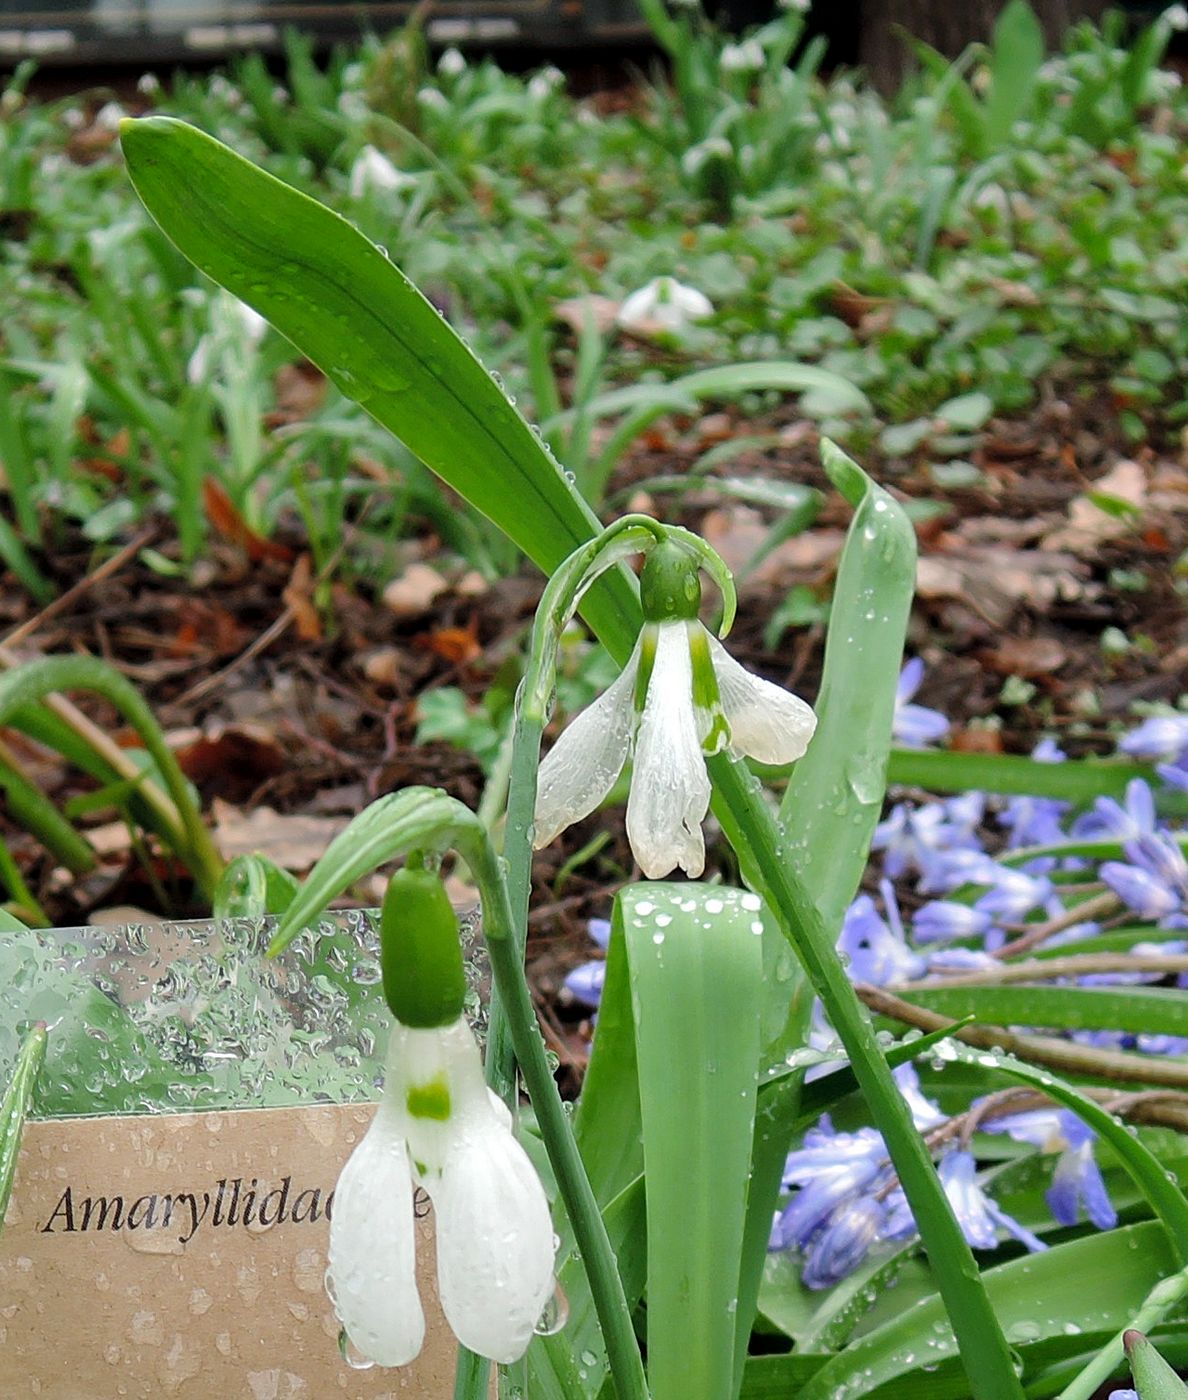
{"x": 351, "y": 1354}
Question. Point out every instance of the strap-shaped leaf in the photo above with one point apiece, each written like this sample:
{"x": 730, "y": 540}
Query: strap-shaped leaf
{"x": 353, "y": 313}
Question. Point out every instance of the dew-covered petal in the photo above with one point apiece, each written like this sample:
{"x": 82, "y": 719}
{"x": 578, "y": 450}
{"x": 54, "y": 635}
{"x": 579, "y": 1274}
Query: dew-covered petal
{"x": 583, "y": 764}
{"x": 670, "y": 790}
{"x": 766, "y": 721}
{"x": 494, "y": 1239}
{"x": 372, "y": 1257}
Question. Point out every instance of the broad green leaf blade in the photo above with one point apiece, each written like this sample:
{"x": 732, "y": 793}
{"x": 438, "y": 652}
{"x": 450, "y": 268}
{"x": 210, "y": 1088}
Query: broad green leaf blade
{"x": 15, "y": 1106}
{"x": 1141, "y": 1010}
{"x": 696, "y": 967}
{"x": 1149, "y": 1175}
{"x": 1114, "y": 1272}
{"x": 344, "y": 305}
{"x": 835, "y": 796}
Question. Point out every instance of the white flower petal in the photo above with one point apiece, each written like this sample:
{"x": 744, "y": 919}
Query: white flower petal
{"x": 670, "y": 789}
{"x": 583, "y": 764}
{"x": 372, "y": 1259}
{"x": 494, "y": 1239}
{"x": 766, "y": 721}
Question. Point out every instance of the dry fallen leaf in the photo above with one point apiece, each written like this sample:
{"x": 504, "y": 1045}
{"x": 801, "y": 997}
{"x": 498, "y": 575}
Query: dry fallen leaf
{"x": 1029, "y": 657}
{"x": 1088, "y": 524}
{"x": 576, "y": 311}
{"x": 294, "y": 842}
{"x": 413, "y": 592}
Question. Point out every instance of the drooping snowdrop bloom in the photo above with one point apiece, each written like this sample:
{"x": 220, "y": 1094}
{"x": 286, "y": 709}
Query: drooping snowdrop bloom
{"x": 373, "y": 170}
{"x": 234, "y": 326}
{"x": 663, "y": 305}
{"x": 438, "y": 1127}
{"x": 746, "y": 56}
{"x": 680, "y": 697}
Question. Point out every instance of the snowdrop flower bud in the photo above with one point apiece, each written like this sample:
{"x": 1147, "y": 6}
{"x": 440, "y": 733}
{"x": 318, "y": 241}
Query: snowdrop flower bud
{"x": 373, "y": 170}
{"x": 451, "y": 63}
{"x": 680, "y": 697}
{"x": 1176, "y": 17}
{"x": 746, "y": 57}
{"x": 440, "y": 1128}
{"x": 663, "y": 305}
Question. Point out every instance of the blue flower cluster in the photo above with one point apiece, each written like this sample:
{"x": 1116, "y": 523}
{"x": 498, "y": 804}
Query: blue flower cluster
{"x": 986, "y": 896}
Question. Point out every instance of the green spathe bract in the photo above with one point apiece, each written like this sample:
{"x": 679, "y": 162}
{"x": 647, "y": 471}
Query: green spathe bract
{"x": 420, "y": 952}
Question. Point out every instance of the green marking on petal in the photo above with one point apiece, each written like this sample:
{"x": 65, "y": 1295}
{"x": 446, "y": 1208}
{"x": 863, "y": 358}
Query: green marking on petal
{"x": 429, "y": 1100}
{"x": 707, "y": 700}
{"x": 648, "y": 641}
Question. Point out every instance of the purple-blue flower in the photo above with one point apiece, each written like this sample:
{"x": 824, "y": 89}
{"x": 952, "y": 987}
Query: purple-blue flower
{"x": 1077, "y": 1182}
{"x": 1127, "y": 821}
{"x": 915, "y": 726}
{"x": 913, "y": 838}
{"x": 876, "y": 947}
{"x": 1153, "y": 881}
{"x": 1014, "y": 895}
{"x": 584, "y": 983}
{"x": 942, "y": 920}
{"x": 1162, "y": 737}
{"x": 1035, "y": 821}
{"x": 843, "y": 1244}
{"x": 978, "y": 1215}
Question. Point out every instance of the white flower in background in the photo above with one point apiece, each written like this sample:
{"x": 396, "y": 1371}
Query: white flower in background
{"x": 744, "y": 57}
{"x": 680, "y": 697}
{"x": 109, "y": 116}
{"x": 148, "y": 85}
{"x": 233, "y": 323}
{"x": 545, "y": 83}
{"x": 433, "y": 100}
{"x": 372, "y": 170}
{"x": 664, "y": 304}
{"x": 1176, "y": 17}
{"x": 712, "y": 148}
{"x": 439, "y": 1127}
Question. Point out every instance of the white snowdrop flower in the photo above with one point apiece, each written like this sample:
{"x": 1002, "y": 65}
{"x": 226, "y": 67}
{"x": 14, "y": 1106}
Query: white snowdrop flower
{"x": 109, "y": 116}
{"x": 680, "y": 697}
{"x": 1176, "y": 17}
{"x": 451, "y": 63}
{"x": 664, "y": 304}
{"x": 744, "y": 57}
{"x": 433, "y": 100}
{"x": 372, "y": 170}
{"x": 440, "y": 1128}
{"x": 712, "y": 148}
{"x": 233, "y": 322}
{"x": 800, "y": 7}
{"x": 545, "y": 83}
{"x": 148, "y": 84}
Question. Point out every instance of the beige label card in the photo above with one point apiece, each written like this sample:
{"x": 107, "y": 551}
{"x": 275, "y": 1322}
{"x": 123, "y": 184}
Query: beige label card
{"x": 184, "y": 1255}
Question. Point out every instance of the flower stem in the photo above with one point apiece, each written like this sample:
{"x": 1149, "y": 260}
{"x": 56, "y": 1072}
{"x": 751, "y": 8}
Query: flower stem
{"x": 984, "y": 1351}
{"x": 514, "y": 1031}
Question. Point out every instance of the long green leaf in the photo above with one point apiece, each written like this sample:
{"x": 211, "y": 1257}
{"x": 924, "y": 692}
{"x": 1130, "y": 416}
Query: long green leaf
{"x": 353, "y": 313}
{"x": 15, "y": 1106}
{"x": 1139, "y": 1010}
{"x": 696, "y": 962}
{"x": 1008, "y": 774}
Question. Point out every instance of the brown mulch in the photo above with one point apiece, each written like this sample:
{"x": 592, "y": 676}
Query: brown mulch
{"x": 291, "y": 710}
